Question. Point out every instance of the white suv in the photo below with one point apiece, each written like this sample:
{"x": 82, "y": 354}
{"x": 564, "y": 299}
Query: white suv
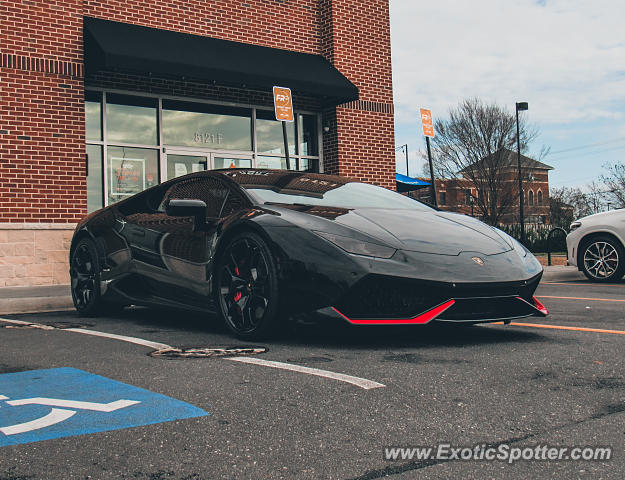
{"x": 595, "y": 245}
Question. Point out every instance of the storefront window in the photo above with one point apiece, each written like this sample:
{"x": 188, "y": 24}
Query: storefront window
{"x": 178, "y": 165}
{"x": 128, "y": 136}
{"x": 93, "y": 115}
{"x": 207, "y": 126}
{"x": 94, "y": 178}
{"x": 130, "y": 171}
{"x": 269, "y": 133}
{"x": 305, "y": 164}
{"x": 226, "y": 162}
{"x": 307, "y": 134}
{"x": 275, "y": 162}
{"x": 131, "y": 119}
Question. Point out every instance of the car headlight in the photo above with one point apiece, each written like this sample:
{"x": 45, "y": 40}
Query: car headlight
{"x": 358, "y": 247}
{"x": 575, "y": 225}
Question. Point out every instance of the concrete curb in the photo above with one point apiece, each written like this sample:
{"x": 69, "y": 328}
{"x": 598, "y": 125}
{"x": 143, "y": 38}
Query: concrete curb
{"x": 35, "y": 299}
{"x": 558, "y": 273}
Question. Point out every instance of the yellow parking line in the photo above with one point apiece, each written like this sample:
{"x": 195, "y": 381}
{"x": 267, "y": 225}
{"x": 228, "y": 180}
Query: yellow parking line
{"x": 589, "y": 284}
{"x": 584, "y": 298}
{"x": 562, "y": 327}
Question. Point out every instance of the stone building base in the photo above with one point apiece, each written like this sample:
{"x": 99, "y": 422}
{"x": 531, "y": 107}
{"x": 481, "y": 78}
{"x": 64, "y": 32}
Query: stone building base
{"x": 34, "y": 254}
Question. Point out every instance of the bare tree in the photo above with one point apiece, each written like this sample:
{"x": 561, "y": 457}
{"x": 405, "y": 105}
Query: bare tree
{"x": 474, "y": 144}
{"x": 562, "y": 206}
{"x": 569, "y": 203}
{"x": 595, "y": 197}
{"x": 614, "y": 181}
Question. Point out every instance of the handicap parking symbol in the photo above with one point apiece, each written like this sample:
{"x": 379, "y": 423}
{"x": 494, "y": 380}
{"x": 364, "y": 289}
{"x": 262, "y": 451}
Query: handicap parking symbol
{"x": 62, "y": 402}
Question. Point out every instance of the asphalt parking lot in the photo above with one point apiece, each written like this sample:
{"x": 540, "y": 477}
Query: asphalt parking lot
{"x": 541, "y": 381}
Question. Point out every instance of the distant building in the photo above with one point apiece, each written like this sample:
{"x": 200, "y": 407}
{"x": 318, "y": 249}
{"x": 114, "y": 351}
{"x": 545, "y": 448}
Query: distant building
{"x": 460, "y": 194}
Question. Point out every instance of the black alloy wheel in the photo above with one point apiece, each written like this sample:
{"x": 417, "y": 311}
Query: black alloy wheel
{"x": 247, "y": 287}
{"x": 603, "y": 259}
{"x": 85, "y": 280}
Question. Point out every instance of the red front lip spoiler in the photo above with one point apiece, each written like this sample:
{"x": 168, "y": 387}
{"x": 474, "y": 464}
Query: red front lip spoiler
{"x": 420, "y": 319}
{"x": 537, "y": 305}
{"x": 429, "y": 315}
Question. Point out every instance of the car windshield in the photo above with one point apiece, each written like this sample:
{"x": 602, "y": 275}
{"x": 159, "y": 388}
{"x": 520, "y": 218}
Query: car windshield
{"x": 348, "y": 195}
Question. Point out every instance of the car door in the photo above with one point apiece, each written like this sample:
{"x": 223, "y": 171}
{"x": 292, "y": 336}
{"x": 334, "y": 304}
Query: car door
{"x": 169, "y": 252}
{"x": 186, "y": 248}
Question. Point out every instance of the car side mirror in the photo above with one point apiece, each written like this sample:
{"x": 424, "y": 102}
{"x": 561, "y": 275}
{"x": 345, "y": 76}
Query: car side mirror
{"x": 187, "y": 207}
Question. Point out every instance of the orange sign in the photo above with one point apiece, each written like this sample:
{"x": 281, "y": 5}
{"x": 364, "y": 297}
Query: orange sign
{"x": 283, "y": 104}
{"x": 426, "y": 121}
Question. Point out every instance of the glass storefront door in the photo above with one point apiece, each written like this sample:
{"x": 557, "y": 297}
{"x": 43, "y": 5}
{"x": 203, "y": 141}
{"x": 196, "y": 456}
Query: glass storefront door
{"x": 231, "y": 161}
{"x": 181, "y": 162}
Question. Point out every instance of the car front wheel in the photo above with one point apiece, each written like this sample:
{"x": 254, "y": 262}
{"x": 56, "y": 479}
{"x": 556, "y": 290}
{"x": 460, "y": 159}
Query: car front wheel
{"x": 247, "y": 287}
{"x": 85, "y": 281}
{"x": 603, "y": 259}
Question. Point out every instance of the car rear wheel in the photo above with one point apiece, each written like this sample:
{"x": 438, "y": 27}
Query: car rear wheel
{"x": 603, "y": 259}
{"x": 247, "y": 287}
{"x": 85, "y": 281}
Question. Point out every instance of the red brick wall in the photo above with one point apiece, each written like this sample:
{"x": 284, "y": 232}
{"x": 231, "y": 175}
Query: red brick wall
{"x": 455, "y": 193}
{"x": 42, "y": 146}
{"x": 50, "y": 29}
{"x": 356, "y": 38}
{"x": 42, "y": 167}
{"x": 290, "y": 25}
{"x": 42, "y": 158}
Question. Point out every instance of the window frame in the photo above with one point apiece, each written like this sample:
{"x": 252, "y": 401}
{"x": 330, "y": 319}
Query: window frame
{"x": 160, "y": 147}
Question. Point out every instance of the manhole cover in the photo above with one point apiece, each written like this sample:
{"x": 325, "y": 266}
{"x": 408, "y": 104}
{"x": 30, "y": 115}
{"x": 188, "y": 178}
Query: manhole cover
{"x": 196, "y": 352}
{"x": 48, "y": 325}
{"x": 26, "y": 326}
{"x": 63, "y": 325}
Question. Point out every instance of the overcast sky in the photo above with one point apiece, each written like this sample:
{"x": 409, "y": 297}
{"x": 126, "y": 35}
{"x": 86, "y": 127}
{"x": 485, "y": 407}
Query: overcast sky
{"x": 565, "y": 57}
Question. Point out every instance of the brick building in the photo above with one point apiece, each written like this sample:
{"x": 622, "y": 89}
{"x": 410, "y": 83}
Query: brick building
{"x": 461, "y": 194}
{"x": 100, "y": 99}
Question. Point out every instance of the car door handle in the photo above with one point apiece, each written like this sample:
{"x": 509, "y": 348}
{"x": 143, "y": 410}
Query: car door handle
{"x": 139, "y": 232}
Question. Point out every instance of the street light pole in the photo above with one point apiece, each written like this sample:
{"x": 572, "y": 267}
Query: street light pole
{"x": 406, "y": 152}
{"x": 432, "y": 180}
{"x": 520, "y": 106}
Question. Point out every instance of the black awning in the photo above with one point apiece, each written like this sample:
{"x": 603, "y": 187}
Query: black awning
{"x": 114, "y": 46}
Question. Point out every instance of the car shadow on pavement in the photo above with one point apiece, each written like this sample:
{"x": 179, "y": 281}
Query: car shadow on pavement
{"x": 306, "y": 331}
{"x": 422, "y": 336}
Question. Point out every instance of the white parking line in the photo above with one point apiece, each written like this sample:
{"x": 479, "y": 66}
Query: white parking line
{"x": 95, "y": 333}
{"x": 123, "y": 338}
{"x": 359, "y": 382}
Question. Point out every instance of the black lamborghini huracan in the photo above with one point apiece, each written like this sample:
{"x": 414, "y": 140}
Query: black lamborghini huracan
{"x": 258, "y": 246}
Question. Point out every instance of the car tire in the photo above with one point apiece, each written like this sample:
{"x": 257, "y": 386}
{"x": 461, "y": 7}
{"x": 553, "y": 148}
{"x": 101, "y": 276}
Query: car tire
{"x": 602, "y": 259}
{"x": 246, "y": 287}
{"x": 85, "y": 281}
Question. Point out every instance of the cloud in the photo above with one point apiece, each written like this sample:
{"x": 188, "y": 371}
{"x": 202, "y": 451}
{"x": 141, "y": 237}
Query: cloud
{"x": 565, "y": 57}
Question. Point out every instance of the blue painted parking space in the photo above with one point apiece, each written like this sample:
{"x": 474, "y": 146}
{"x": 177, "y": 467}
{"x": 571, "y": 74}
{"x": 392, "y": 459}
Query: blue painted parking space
{"x": 62, "y": 402}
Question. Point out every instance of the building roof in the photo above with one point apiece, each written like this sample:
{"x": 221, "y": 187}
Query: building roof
{"x": 510, "y": 159}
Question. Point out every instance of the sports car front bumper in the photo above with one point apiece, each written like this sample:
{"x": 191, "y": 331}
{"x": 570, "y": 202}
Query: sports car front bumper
{"x": 454, "y": 311}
